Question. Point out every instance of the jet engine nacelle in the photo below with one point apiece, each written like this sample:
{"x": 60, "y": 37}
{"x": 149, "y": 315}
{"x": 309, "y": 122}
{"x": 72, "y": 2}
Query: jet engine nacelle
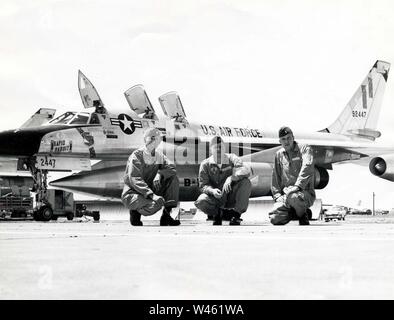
{"x": 260, "y": 177}
{"x": 383, "y": 167}
{"x": 261, "y": 174}
{"x": 321, "y": 178}
{"x": 108, "y": 181}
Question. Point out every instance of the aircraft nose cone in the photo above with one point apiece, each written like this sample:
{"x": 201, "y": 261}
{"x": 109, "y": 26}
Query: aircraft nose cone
{"x": 19, "y": 142}
{"x": 73, "y": 182}
{"x": 24, "y": 142}
{"x": 107, "y": 182}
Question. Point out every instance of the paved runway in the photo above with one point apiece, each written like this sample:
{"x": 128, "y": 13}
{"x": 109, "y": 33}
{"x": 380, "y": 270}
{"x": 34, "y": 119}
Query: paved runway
{"x": 352, "y": 259}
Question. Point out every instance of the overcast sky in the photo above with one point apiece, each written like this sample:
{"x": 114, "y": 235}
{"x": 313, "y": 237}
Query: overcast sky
{"x": 244, "y": 63}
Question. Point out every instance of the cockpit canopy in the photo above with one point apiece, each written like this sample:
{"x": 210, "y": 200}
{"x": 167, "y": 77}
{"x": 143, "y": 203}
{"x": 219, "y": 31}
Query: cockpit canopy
{"x": 71, "y": 117}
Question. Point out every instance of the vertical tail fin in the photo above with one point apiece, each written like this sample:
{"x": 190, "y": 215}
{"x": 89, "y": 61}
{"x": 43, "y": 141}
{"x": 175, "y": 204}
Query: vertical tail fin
{"x": 361, "y": 114}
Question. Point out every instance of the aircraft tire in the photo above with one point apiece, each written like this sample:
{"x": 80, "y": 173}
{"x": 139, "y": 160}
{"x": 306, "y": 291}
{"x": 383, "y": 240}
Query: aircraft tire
{"x": 46, "y": 213}
{"x": 70, "y": 216}
{"x": 96, "y": 217}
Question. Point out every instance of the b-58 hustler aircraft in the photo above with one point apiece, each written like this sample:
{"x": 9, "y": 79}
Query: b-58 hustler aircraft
{"x": 71, "y": 141}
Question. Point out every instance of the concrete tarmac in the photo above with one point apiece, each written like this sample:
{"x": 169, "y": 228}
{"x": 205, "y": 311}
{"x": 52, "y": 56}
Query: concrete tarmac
{"x": 81, "y": 259}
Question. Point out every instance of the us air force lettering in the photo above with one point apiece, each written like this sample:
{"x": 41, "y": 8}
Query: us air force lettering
{"x": 231, "y": 132}
{"x": 97, "y": 134}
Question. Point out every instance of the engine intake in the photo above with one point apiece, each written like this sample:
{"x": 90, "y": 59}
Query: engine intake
{"x": 261, "y": 174}
{"x": 383, "y": 167}
{"x": 321, "y": 178}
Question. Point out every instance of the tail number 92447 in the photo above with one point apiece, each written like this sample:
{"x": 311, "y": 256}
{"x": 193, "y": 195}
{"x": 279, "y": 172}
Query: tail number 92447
{"x": 45, "y": 162}
{"x": 359, "y": 114}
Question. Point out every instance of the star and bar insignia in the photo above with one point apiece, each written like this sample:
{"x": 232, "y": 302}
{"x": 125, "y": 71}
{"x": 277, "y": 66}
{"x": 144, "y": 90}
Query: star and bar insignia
{"x": 126, "y": 123}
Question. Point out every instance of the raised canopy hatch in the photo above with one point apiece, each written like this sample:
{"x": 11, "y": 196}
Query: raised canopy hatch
{"x": 172, "y": 106}
{"x": 139, "y": 102}
{"x": 89, "y": 95}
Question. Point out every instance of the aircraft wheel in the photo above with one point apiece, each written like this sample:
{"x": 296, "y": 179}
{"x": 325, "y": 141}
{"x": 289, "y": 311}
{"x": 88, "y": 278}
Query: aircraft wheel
{"x": 46, "y": 213}
{"x": 96, "y": 217}
{"x": 70, "y": 216}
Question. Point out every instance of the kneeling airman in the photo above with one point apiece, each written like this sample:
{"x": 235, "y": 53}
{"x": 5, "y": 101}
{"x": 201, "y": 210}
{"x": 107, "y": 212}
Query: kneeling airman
{"x": 224, "y": 184}
{"x": 150, "y": 182}
{"x": 292, "y": 180}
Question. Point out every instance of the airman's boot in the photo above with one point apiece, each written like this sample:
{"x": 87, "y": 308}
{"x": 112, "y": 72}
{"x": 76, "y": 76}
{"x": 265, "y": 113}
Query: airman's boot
{"x": 217, "y": 220}
{"x": 167, "y": 220}
{"x": 304, "y": 220}
{"x": 236, "y": 219}
{"x": 135, "y": 218}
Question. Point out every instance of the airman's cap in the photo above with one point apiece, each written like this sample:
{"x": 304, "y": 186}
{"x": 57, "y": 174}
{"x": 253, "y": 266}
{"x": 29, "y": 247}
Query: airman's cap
{"x": 216, "y": 140}
{"x": 152, "y": 132}
{"x": 284, "y": 131}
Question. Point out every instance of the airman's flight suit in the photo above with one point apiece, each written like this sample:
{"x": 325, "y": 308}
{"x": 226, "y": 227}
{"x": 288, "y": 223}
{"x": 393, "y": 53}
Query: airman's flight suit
{"x": 138, "y": 189}
{"x": 213, "y": 176}
{"x": 295, "y": 168}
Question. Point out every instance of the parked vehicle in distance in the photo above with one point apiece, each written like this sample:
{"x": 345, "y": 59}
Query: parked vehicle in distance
{"x": 360, "y": 211}
{"x": 16, "y": 206}
{"x": 335, "y": 213}
{"x": 381, "y": 211}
